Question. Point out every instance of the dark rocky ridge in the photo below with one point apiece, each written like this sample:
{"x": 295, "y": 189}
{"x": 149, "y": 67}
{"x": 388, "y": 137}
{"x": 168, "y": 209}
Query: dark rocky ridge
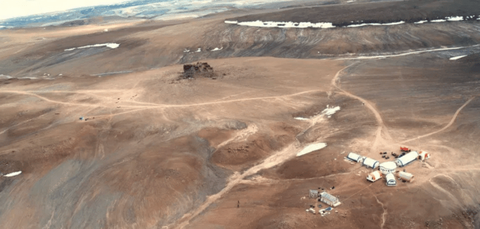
{"x": 384, "y": 12}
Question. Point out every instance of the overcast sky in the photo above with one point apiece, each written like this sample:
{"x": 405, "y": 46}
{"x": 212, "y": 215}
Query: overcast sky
{"x": 17, "y": 8}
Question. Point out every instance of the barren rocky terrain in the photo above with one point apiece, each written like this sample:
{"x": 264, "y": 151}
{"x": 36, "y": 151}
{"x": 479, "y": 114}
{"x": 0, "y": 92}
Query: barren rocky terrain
{"x": 112, "y": 136}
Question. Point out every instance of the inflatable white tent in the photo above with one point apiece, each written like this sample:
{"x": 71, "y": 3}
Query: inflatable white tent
{"x": 390, "y": 180}
{"x": 405, "y": 176}
{"x": 374, "y": 176}
{"x": 354, "y": 157}
{"x": 369, "y": 162}
{"x": 407, "y": 159}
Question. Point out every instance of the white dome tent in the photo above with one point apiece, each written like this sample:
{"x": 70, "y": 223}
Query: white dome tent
{"x": 388, "y": 167}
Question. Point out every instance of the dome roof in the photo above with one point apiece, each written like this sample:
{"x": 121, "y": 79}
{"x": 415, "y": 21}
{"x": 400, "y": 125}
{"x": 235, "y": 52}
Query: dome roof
{"x": 388, "y": 165}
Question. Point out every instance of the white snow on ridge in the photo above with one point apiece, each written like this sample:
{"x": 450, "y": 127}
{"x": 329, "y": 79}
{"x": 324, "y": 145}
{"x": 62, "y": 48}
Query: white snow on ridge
{"x": 2, "y": 76}
{"x": 199, "y": 50}
{"x": 458, "y": 57}
{"x": 13, "y": 174}
{"x": 455, "y": 18}
{"x": 109, "y": 45}
{"x": 326, "y": 25}
{"x": 272, "y": 24}
{"x": 420, "y": 22}
{"x": 311, "y": 148}
{"x": 376, "y": 24}
{"x": 216, "y": 49}
{"x": 329, "y": 111}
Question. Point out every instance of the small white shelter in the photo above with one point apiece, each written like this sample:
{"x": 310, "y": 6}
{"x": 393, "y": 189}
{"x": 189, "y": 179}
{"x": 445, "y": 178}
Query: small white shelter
{"x": 405, "y": 176}
{"x": 388, "y": 167}
{"x": 374, "y": 176}
{"x": 329, "y": 199}
{"x": 407, "y": 159}
{"x": 370, "y": 163}
{"x": 354, "y": 157}
{"x": 424, "y": 155}
{"x": 390, "y": 180}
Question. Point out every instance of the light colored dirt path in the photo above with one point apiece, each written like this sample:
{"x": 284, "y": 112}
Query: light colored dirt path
{"x": 389, "y": 55}
{"x": 445, "y": 127}
{"x": 384, "y": 214}
{"x": 381, "y": 128}
{"x": 157, "y": 105}
{"x": 237, "y": 178}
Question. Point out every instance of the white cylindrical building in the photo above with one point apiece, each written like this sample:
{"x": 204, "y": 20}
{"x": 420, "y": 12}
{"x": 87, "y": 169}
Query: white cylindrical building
{"x": 369, "y": 162}
{"x": 354, "y": 157}
{"x": 390, "y": 180}
{"x": 388, "y": 167}
{"x": 407, "y": 159}
{"x": 405, "y": 176}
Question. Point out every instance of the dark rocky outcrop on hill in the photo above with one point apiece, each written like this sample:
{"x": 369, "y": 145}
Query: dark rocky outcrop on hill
{"x": 202, "y": 69}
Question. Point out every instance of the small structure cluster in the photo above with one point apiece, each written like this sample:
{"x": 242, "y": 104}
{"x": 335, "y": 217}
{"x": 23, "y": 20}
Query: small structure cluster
{"x": 324, "y": 197}
{"x": 388, "y": 169}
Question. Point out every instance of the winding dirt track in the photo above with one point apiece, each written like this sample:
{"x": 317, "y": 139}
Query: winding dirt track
{"x": 381, "y": 126}
{"x": 158, "y": 105}
{"x": 445, "y": 127}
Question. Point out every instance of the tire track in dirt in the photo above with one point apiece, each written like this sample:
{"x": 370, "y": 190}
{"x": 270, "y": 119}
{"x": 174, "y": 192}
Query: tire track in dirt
{"x": 237, "y": 178}
{"x": 384, "y": 214}
{"x": 157, "y": 105}
{"x": 382, "y": 129}
{"x": 445, "y": 127}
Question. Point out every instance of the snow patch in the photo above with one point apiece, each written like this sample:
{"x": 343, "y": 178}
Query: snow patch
{"x": 217, "y": 49}
{"x": 438, "y": 20}
{"x": 108, "y": 45}
{"x": 13, "y": 174}
{"x": 329, "y": 111}
{"x": 311, "y": 148}
{"x": 199, "y": 50}
{"x": 458, "y": 57}
{"x": 420, "y": 22}
{"x": 2, "y": 76}
{"x": 301, "y": 118}
{"x": 272, "y": 24}
{"x": 376, "y": 24}
{"x": 455, "y": 18}
{"x": 105, "y": 30}
{"x": 231, "y": 22}
{"x": 186, "y": 50}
